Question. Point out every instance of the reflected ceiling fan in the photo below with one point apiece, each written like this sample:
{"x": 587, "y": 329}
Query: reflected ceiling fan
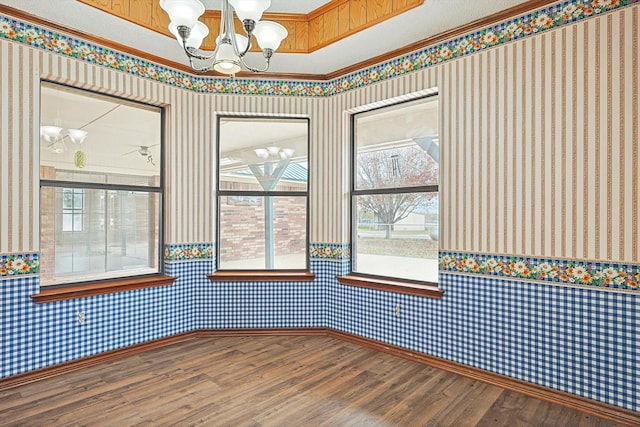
{"x": 144, "y": 151}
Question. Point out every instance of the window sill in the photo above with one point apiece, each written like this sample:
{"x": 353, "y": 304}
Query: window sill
{"x": 429, "y": 290}
{"x": 100, "y": 288}
{"x": 261, "y": 276}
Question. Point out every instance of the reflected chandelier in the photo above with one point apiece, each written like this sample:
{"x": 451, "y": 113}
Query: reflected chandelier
{"x": 228, "y": 56}
{"x": 55, "y": 135}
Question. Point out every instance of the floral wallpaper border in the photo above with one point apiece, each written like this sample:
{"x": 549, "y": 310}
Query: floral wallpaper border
{"x": 600, "y": 274}
{"x": 544, "y": 19}
{"x": 329, "y": 251}
{"x": 18, "y": 265}
{"x": 188, "y": 252}
{"x": 205, "y": 251}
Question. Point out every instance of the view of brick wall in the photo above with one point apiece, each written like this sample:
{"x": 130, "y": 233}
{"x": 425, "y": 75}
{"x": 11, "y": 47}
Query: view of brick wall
{"x": 242, "y": 223}
{"x": 47, "y": 227}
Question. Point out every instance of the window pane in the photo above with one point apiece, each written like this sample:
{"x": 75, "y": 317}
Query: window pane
{"x": 122, "y": 138}
{"x": 130, "y": 237}
{"x": 115, "y": 234}
{"x": 262, "y": 232}
{"x": 396, "y": 166}
{"x": 67, "y": 198}
{"x": 397, "y": 146}
{"x": 77, "y": 222}
{"x": 263, "y": 154}
{"x": 67, "y": 221}
{"x": 397, "y": 235}
{"x": 77, "y": 199}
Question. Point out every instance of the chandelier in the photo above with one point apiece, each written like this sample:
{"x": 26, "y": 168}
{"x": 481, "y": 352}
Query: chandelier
{"x": 231, "y": 48}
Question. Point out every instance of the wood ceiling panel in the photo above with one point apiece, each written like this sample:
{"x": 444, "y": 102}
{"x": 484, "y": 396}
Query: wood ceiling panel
{"x": 357, "y": 14}
{"x": 343, "y": 18}
{"x": 140, "y": 11}
{"x": 378, "y": 9}
{"x": 316, "y": 31}
{"x": 120, "y": 6}
{"x": 328, "y": 24}
{"x": 331, "y": 24}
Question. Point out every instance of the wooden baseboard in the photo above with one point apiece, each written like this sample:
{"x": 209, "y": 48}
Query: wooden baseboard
{"x": 209, "y": 333}
{"x": 589, "y": 406}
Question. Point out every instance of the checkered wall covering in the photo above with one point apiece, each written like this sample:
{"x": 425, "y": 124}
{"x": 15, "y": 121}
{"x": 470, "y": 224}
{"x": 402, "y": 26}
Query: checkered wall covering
{"x": 34, "y": 336}
{"x": 581, "y": 341}
{"x": 223, "y": 305}
{"x": 576, "y": 340}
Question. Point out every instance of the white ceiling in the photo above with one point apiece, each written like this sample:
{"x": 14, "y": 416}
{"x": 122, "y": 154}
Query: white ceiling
{"x": 429, "y": 19}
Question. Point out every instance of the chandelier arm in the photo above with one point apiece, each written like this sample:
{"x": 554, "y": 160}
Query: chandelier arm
{"x": 244, "y": 52}
{"x": 191, "y": 52}
{"x": 203, "y": 69}
{"x": 267, "y": 53}
{"x": 223, "y": 18}
{"x": 247, "y": 24}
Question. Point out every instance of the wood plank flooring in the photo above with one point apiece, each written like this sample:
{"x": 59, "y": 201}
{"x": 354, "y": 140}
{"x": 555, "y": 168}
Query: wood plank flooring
{"x": 273, "y": 381}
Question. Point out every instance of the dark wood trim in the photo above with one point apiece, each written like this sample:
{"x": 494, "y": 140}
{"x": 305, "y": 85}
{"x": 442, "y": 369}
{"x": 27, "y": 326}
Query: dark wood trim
{"x": 100, "y": 288}
{"x": 96, "y": 359}
{"x": 421, "y": 44}
{"x": 589, "y": 406}
{"x": 245, "y": 332}
{"x": 529, "y": 389}
{"x": 261, "y": 276}
{"x": 429, "y": 290}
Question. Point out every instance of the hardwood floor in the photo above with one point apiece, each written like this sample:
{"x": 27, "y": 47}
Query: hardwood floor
{"x": 273, "y": 381}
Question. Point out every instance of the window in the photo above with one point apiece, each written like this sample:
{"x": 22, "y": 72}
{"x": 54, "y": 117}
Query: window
{"x": 72, "y": 209}
{"x": 395, "y": 191}
{"x": 262, "y": 194}
{"x": 100, "y": 187}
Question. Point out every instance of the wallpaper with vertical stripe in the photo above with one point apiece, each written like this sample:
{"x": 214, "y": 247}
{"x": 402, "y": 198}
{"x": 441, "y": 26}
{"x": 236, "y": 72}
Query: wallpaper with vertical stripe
{"x": 539, "y": 142}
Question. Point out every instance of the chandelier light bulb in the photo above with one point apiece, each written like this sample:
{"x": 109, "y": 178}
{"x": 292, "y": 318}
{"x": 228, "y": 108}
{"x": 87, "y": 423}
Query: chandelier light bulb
{"x": 78, "y": 135}
{"x": 288, "y": 152}
{"x": 227, "y": 62}
{"x": 183, "y": 12}
{"x": 250, "y": 9}
{"x": 50, "y": 133}
{"x": 273, "y": 150}
{"x": 261, "y": 153}
{"x": 196, "y": 36}
{"x": 269, "y": 34}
